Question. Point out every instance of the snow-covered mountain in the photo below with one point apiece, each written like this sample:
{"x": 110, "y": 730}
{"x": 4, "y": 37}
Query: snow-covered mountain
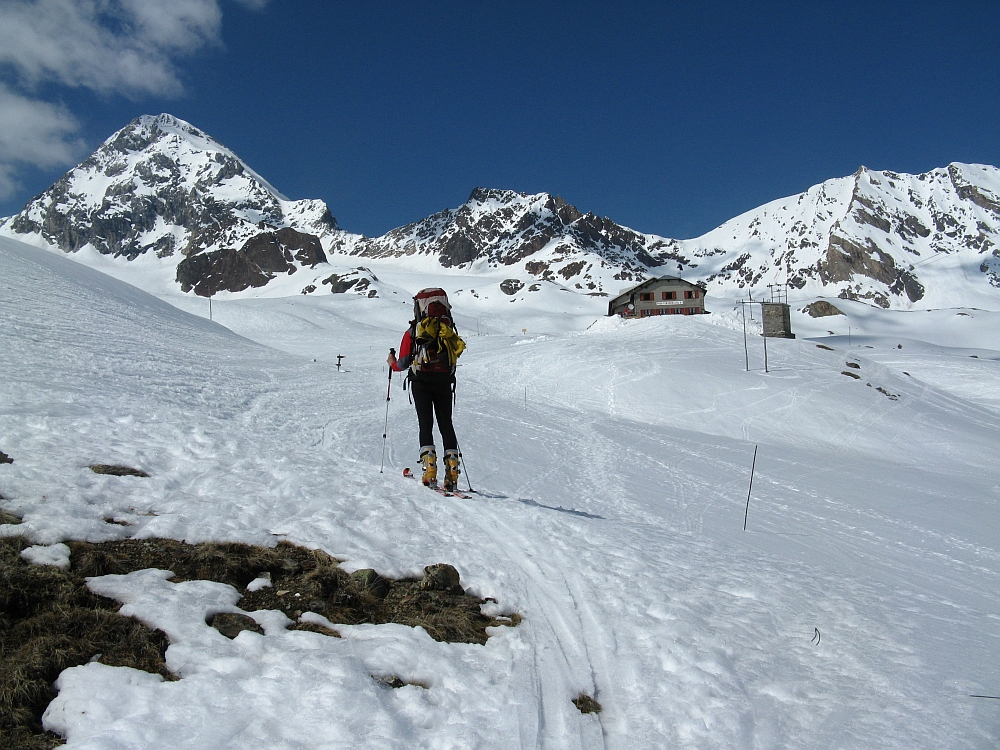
{"x": 537, "y": 237}
{"x": 161, "y": 188}
{"x": 892, "y": 239}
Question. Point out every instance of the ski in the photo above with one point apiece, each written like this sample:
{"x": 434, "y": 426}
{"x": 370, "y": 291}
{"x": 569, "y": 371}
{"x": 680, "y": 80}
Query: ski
{"x": 408, "y": 473}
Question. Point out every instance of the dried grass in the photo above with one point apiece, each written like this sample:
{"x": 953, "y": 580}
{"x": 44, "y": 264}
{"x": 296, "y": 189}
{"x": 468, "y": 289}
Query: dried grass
{"x": 49, "y": 619}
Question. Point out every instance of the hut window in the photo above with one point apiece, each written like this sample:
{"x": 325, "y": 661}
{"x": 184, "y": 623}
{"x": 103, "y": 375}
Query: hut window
{"x": 668, "y": 295}
{"x": 645, "y": 296}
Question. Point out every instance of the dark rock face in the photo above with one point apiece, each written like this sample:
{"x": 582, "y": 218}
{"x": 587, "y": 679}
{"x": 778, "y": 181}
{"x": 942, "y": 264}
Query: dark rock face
{"x": 511, "y": 287}
{"x": 275, "y": 251}
{"x": 359, "y": 280}
{"x": 260, "y": 259}
{"x": 210, "y": 273}
{"x": 846, "y": 259}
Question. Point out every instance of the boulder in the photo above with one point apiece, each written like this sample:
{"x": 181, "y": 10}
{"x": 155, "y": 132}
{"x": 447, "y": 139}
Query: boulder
{"x": 231, "y": 624}
{"x": 371, "y": 582}
{"x": 441, "y": 577}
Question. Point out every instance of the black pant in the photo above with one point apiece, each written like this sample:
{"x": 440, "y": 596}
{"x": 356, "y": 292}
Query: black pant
{"x": 430, "y": 397}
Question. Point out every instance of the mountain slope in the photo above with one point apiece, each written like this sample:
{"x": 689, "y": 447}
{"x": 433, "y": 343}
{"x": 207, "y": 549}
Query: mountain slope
{"x": 856, "y": 611}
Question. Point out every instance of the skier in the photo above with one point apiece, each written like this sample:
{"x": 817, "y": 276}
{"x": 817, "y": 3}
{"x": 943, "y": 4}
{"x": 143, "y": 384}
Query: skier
{"x": 429, "y": 351}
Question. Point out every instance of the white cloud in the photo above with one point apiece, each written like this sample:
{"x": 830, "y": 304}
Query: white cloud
{"x": 110, "y": 46}
{"x": 125, "y": 47}
{"x": 33, "y": 133}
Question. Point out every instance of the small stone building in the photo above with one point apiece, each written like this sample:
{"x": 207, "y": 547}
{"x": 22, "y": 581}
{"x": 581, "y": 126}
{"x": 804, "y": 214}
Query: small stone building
{"x": 777, "y": 320}
{"x": 666, "y": 295}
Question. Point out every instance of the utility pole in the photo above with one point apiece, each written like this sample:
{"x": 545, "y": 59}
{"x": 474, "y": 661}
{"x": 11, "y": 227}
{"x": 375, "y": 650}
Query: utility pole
{"x": 746, "y": 351}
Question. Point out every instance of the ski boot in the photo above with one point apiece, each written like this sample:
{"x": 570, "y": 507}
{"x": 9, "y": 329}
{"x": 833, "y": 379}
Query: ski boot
{"x": 428, "y": 458}
{"x": 451, "y": 470}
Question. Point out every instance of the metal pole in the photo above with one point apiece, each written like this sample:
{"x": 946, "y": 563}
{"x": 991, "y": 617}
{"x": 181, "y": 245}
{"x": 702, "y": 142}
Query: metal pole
{"x": 385, "y": 428}
{"x": 763, "y": 335}
{"x": 746, "y": 351}
{"x": 210, "y": 308}
{"x": 746, "y": 513}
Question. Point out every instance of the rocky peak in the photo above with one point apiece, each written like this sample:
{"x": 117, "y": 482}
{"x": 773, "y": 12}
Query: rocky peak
{"x": 878, "y": 236}
{"x": 547, "y": 237}
{"x": 161, "y": 186}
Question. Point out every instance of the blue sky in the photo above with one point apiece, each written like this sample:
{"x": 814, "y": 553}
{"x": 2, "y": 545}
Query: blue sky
{"x": 666, "y": 117}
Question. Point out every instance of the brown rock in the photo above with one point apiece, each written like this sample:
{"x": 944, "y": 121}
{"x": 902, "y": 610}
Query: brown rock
{"x": 821, "y": 309}
{"x": 231, "y": 624}
{"x": 368, "y": 580}
{"x": 441, "y": 577}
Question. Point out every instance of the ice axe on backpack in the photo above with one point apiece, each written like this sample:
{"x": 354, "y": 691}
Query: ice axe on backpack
{"x": 385, "y": 428}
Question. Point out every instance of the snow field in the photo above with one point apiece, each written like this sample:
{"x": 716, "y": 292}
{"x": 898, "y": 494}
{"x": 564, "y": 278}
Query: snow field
{"x": 617, "y": 459}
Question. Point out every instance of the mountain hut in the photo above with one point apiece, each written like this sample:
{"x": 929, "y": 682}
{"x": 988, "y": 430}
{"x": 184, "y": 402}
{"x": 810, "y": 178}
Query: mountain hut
{"x": 666, "y": 295}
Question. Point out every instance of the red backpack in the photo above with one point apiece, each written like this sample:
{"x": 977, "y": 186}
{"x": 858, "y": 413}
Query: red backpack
{"x": 431, "y": 310}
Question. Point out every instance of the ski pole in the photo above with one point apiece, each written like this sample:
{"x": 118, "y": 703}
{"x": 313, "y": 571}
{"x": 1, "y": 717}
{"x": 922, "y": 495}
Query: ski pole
{"x": 385, "y": 428}
{"x": 462, "y": 459}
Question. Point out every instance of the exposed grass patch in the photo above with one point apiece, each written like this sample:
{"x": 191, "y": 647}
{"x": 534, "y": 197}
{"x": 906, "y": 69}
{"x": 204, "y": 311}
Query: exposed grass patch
{"x": 586, "y": 704}
{"x": 50, "y": 621}
{"x": 117, "y": 470}
{"x": 9, "y": 518}
{"x": 302, "y": 580}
